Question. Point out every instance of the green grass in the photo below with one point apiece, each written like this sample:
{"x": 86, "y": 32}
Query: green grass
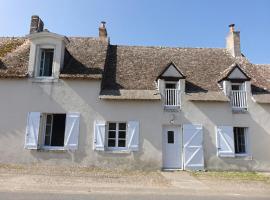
{"x": 232, "y": 175}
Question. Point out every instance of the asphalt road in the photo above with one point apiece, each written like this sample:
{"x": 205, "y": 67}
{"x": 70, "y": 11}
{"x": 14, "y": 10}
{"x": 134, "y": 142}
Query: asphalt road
{"x": 101, "y": 196}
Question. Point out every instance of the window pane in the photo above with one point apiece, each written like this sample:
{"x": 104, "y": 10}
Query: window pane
{"x": 58, "y": 130}
{"x": 122, "y": 134}
{"x": 41, "y": 67}
{"x": 46, "y": 62}
{"x": 170, "y": 137}
{"x": 235, "y": 87}
{"x": 47, "y": 140}
{"x": 112, "y": 126}
{"x": 122, "y": 126}
{"x": 121, "y": 143}
{"x": 111, "y": 134}
{"x": 239, "y": 140}
{"x": 49, "y": 119}
{"x": 170, "y": 85}
{"x": 111, "y": 143}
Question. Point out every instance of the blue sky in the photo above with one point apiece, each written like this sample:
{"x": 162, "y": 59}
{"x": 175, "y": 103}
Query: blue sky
{"x": 181, "y": 23}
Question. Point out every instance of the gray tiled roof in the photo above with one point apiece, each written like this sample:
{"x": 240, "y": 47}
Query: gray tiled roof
{"x": 135, "y": 67}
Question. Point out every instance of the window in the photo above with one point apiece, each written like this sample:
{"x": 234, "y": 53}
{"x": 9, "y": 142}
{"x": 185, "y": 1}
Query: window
{"x": 54, "y": 129}
{"x": 170, "y": 85}
{"x": 240, "y": 141}
{"x": 46, "y": 62}
{"x": 170, "y": 137}
{"x": 117, "y": 135}
{"x": 237, "y": 86}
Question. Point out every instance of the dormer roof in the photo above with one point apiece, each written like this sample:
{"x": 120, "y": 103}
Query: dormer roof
{"x": 234, "y": 73}
{"x": 171, "y": 72}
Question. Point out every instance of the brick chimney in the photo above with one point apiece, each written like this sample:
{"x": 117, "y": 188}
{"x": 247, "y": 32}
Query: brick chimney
{"x": 233, "y": 42}
{"x": 103, "y": 31}
{"x": 36, "y": 24}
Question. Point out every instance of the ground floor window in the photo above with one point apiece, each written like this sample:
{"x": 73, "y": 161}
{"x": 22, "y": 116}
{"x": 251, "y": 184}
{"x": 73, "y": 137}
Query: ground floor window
{"x": 54, "y": 129}
{"x": 240, "y": 140}
{"x": 116, "y": 137}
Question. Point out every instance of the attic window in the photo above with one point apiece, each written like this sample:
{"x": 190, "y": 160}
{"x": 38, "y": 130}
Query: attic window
{"x": 46, "y": 62}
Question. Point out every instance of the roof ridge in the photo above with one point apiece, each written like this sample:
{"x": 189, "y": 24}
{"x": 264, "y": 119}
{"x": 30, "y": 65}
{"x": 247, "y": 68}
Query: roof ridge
{"x": 167, "y": 47}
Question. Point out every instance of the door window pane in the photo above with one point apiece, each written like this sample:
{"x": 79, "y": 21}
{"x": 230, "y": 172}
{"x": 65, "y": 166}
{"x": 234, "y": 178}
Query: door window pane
{"x": 170, "y": 135}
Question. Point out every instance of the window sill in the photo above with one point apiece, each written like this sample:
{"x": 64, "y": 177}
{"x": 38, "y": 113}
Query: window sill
{"x": 126, "y": 151}
{"x": 44, "y": 79}
{"x": 53, "y": 149}
{"x": 172, "y": 108}
{"x": 244, "y": 156}
{"x": 239, "y": 110}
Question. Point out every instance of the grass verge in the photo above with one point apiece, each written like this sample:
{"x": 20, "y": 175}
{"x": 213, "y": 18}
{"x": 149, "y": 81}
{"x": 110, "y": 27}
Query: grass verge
{"x": 232, "y": 175}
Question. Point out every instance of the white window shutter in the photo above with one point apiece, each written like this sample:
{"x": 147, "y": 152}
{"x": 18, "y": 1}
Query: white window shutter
{"x": 32, "y": 130}
{"x": 72, "y": 130}
{"x": 225, "y": 141}
{"x": 99, "y": 135}
{"x": 133, "y": 135}
{"x": 161, "y": 87}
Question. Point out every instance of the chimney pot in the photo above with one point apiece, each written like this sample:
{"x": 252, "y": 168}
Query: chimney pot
{"x": 103, "y": 31}
{"x": 231, "y": 26}
{"x": 36, "y": 24}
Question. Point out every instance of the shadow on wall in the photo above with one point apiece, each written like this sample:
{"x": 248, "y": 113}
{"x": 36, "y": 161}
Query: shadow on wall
{"x": 259, "y": 136}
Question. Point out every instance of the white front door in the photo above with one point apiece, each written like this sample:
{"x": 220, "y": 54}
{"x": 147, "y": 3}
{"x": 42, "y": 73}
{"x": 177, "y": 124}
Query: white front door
{"x": 172, "y": 147}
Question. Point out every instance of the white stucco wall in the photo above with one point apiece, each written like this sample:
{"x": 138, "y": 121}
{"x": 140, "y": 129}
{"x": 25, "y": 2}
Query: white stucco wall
{"x": 18, "y": 97}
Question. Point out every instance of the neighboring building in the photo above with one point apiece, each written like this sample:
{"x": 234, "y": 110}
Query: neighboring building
{"x": 83, "y": 101}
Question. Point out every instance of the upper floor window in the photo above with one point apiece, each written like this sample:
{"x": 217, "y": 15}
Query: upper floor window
{"x": 172, "y": 95}
{"x": 46, "y": 62}
{"x": 170, "y": 85}
{"x": 237, "y": 86}
{"x": 238, "y": 97}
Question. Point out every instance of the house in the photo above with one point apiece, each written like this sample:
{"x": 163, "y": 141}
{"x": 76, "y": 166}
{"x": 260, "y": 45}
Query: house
{"x": 83, "y": 101}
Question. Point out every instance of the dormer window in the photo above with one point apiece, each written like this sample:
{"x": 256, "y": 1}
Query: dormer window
{"x": 238, "y": 87}
{"x": 46, "y": 62}
{"x": 171, "y": 84}
{"x": 238, "y": 96}
{"x": 235, "y": 82}
{"x": 47, "y": 54}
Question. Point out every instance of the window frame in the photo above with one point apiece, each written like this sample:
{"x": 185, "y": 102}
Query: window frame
{"x": 241, "y": 86}
{"x": 42, "y": 133}
{"x": 170, "y": 82}
{"x": 246, "y": 142}
{"x": 116, "y": 147}
{"x": 38, "y": 61}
